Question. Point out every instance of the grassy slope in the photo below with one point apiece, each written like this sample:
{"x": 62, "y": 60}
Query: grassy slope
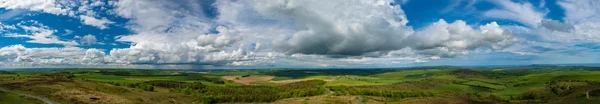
{"x": 9, "y": 98}
{"x": 79, "y": 91}
{"x": 504, "y": 83}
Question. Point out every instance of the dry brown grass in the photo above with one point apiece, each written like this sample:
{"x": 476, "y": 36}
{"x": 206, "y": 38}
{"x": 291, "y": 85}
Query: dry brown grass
{"x": 80, "y": 92}
{"x": 83, "y": 95}
{"x": 63, "y": 90}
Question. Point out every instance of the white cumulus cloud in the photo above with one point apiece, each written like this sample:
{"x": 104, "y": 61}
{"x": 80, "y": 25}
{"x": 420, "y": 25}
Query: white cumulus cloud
{"x": 38, "y": 33}
{"x": 20, "y": 55}
{"x": 49, "y": 6}
{"x": 100, "y": 23}
{"x": 224, "y": 38}
{"x": 93, "y": 56}
{"x": 447, "y": 40}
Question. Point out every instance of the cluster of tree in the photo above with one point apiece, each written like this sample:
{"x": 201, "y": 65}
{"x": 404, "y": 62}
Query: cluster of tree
{"x": 143, "y": 86}
{"x": 219, "y": 94}
{"x": 301, "y": 73}
{"x": 6, "y": 72}
{"x": 212, "y": 80}
{"x": 424, "y": 84}
{"x": 466, "y": 73}
{"x": 483, "y": 86}
{"x": 392, "y": 94}
{"x": 396, "y": 94}
{"x": 502, "y": 73}
{"x": 519, "y": 84}
{"x": 117, "y": 73}
{"x": 175, "y": 84}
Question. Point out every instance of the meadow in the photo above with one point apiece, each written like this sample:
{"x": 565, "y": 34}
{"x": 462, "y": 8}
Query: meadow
{"x": 426, "y": 85}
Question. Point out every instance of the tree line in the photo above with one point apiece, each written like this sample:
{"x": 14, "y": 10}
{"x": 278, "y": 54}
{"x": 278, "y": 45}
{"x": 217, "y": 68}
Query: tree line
{"x": 220, "y": 94}
{"x": 142, "y": 86}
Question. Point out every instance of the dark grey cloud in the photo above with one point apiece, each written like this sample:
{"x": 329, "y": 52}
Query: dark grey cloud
{"x": 338, "y": 29}
{"x": 557, "y": 25}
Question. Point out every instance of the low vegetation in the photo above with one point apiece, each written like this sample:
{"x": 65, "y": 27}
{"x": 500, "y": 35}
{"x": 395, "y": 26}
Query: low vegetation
{"x": 427, "y": 85}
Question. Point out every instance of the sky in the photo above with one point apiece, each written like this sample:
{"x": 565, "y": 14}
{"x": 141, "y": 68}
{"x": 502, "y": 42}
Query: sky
{"x": 204, "y": 34}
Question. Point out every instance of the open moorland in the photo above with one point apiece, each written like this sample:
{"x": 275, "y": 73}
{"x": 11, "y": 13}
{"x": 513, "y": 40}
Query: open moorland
{"x": 423, "y": 85}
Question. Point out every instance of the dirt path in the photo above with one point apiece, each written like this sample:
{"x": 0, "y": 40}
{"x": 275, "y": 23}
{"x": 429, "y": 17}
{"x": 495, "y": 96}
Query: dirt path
{"x": 328, "y": 90}
{"x": 31, "y": 96}
{"x": 360, "y": 100}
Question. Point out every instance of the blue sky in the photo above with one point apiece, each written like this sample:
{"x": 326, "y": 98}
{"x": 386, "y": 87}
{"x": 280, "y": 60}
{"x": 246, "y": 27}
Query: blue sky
{"x": 296, "y": 33}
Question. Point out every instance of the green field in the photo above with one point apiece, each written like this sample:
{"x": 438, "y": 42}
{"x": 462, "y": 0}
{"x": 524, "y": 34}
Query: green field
{"x": 537, "y": 84}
